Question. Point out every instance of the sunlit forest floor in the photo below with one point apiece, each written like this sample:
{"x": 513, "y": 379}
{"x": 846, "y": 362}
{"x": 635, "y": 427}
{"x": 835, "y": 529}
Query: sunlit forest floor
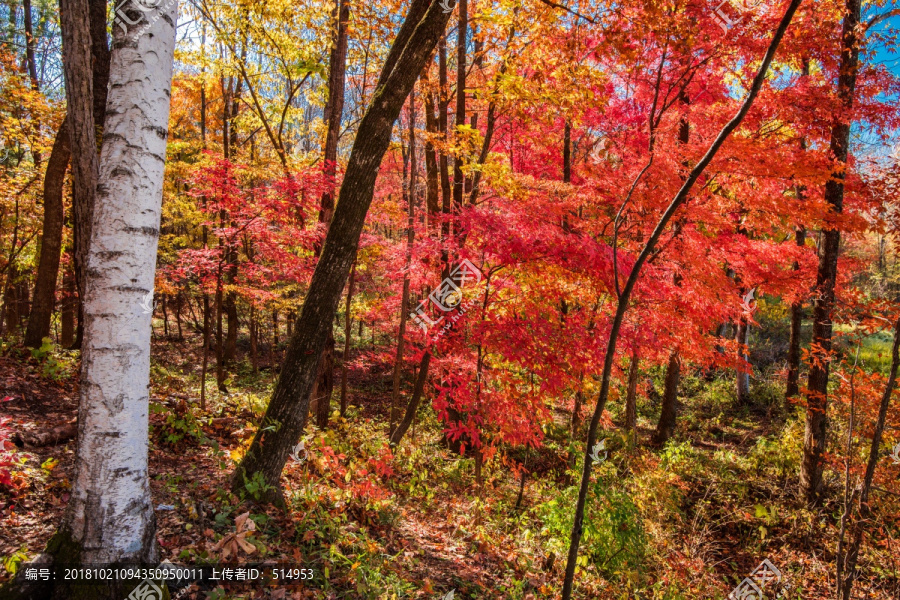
{"x": 690, "y": 520}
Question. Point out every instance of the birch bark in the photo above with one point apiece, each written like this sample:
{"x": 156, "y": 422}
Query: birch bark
{"x": 110, "y": 516}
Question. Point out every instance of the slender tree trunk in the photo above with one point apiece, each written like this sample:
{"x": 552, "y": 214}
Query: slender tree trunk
{"x": 67, "y": 308}
{"x": 205, "y": 366}
{"x": 863, "y": 513}
{"x": 410, "y": 239}
{"x": 631, "y": 394}
{"x": 413, "y": 405}
{"x": 793, "y": 374}
{"x": 269, "y": 450}
{"x": 431, "y": 164}
{"x": 443, "y": 160}
{"x": 334, "y": 112}
{"x": 743, "y": 377}
{"x": 178, "y": 301}
{"x": 816, "y": 430}
{"x": 461, "y": 38}
{"x": 44, "y": 298}
{"x": 347, "y": 333}
{"x": 220, "y": 354}
{"x": 625, "y": 295}
{"x": 254, "y": 359}
{"x": 110, "y": 518}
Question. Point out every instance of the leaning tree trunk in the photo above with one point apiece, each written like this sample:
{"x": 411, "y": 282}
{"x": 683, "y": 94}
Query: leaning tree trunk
{"x": 110, "y": 517}
{"x": 816, "y": 430}
{"x": 286, "y": 415}
{"x": 44, "y": 298}
{"x": 411, "y": 408}
{"x": 847, "y": 568}
{"x": 625, "y": 295}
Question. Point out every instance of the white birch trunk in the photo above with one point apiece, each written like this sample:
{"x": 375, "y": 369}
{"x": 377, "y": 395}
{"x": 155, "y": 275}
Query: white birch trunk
{"x": 110, "y": 516}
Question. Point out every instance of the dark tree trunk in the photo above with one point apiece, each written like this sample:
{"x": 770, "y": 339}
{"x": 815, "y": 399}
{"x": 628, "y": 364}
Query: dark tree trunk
{"x": 286, "y": 415}
{"x": 410, "y": 239}
{"x": 75, "y": 24}
{"x": 846, "y": 573}
{"x": 431, "y": 164}
{"x": 793, "y": 375}
{"x": 334, "y": 111}
{"x": 86, "y": 69}
{"x": 631, "y": 394}
{"x": 205, "y": 364}
{"x": 816, "y": 429}
{"x": 461, "y": 38}
{"x": 44, "y": 298}
{"x": 413, "y": 405}
{"x": 443, "y": 161}
{"x": 666, "y": 426}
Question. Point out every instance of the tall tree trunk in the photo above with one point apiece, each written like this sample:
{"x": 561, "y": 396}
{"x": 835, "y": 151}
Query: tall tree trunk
{"x": 461, "y": 38}
{"x": 44, "y": 298}
{"x": 792, "y": 389}
{"x": 110, "y": 517}
{"x": 846, "y": 573}
{"x": 269, "y": 450}
{"x": 410, "y": 240}
{"x": 743, "y": 377}
{"x": 87, "y": 78}
{"x": 76, "y": 36}
{"x": 668, "y": 415}
{"x": 334, "y": 112}
{"x": 431, "y": 164}
{"x": 204, "y": 368}
{"x": 816, "y": 429}
{"x": 625, "y": 295}
{"x": 29, "y": 54}
{"x": 793, "y": 374}
{"x": 443, "y": 160}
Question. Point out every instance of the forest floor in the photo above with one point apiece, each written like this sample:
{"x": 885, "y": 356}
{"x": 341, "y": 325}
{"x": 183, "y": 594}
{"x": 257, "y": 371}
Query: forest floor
{"x": 687, "y": 521}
